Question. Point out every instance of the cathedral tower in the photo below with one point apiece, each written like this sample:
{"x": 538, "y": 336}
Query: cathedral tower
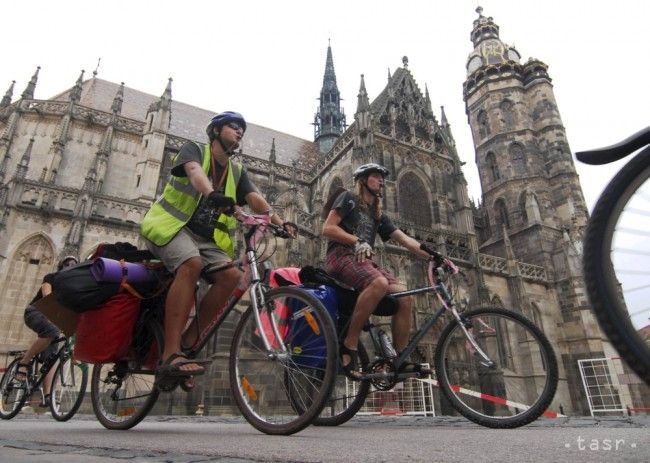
{"x": 531, "y": 192}
{"x": 329, "y": 121}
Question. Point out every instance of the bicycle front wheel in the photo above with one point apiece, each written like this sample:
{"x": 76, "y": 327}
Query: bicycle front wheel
{"x": 516, "y": 380}
{"x": 282, "y": 389}
{"x": 124, "y": 392}
{"x": 68, "y": 388}
{"x": 12, "y": 393}
{"x": 347, "y": 396}
{"x": 617, "y": 262}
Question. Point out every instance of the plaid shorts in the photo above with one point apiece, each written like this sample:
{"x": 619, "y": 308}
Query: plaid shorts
{"x": 342, "y": 265}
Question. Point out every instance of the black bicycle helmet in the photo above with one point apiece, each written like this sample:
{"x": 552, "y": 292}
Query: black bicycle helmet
{"x": 222, "y": 119}
{"x": 367, "y": 169}
{"x": 62, "y": 262}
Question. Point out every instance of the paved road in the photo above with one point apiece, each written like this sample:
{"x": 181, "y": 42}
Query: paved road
{"x": 364, "y": 439}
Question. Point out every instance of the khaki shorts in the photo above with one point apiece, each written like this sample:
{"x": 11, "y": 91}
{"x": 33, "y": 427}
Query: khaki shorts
{"x": 186, "y": 245}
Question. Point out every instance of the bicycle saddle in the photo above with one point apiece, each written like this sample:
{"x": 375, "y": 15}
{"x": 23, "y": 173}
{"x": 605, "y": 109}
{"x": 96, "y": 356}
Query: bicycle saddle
{"x": 617, "y": 151}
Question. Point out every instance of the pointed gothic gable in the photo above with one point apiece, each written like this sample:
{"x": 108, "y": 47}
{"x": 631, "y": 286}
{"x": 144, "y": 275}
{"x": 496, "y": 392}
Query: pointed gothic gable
{"x": 402, "y": 101}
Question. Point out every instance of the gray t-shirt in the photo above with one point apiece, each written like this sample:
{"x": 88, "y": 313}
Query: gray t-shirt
{"x": 191, "y": 152}
{"x": 359, "y": 222}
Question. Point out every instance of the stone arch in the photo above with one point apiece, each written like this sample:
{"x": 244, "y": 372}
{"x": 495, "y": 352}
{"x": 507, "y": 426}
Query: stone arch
{"x": 336, "y": 183}
{"x": 414, "y": 199}
{"x": 507, "y": 113}
{"x": 536, "y": 316}
{"x": 32, "y": 259}
{"x": 492, "y": 166}
{"x": 518, "y": 158}
{"x": 501, "y": 214}
{"x": 522, "y": 207}
{"x": 483, "y": 124}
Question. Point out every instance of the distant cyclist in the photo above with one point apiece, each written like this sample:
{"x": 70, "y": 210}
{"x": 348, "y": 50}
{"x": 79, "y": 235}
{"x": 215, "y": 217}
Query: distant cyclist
{"x": 46, "y": 331}
{"x": 351, "y": 226}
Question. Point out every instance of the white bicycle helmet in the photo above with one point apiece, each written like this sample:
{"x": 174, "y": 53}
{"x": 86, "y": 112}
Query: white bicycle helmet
{"x": 367, "y": 169}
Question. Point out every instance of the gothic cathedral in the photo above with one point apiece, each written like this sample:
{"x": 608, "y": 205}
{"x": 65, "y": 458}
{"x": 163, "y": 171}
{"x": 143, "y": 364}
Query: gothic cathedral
{"x": 82, "y": 168}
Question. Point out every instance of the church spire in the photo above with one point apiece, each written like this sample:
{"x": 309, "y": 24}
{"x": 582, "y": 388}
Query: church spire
{"x": 28, "y": 94}
{"x": 329, "y": 121}
{"x": 6, "y": 100}
{"x": 23, "y": 165}
{"x": 363, "y": 103}
{"x": 75, "y": 93}
{"x": 116, "y": 107}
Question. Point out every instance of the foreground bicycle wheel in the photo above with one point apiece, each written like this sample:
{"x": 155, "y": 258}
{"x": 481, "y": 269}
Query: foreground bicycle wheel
{"x": 124, "y": 392}
{"x": 519, "y": 385}
{"x": 12, "y": 393}
{"x": 617, "y": 262}
{"x": 347, "y": 396}
{"x": 281, "y": 391}
{"x": 68, "y": 389}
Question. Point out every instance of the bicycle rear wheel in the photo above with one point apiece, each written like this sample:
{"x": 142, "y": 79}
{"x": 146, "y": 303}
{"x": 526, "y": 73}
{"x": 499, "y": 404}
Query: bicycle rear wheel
{"x": 347, "y": 397}
{"x": 617, "y": 262}
{"x": 519, "y": 384}
{"x": 68, "y": 388}
{"x": 124, "y": 392}
{"x": 281, "y": 391}
{"x": 12, "y": 393}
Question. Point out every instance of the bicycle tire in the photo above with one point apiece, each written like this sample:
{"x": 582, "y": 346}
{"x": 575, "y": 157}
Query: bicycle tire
{"x": 124, "y": 392}
{"x": 520, "y": 385}
{"x": 12, "y": 395}
{"x": 68, "y": 388}
{"x": 609, "y": 290}
{"x": 347, "y": 396}
{"x": 258, "y": 377}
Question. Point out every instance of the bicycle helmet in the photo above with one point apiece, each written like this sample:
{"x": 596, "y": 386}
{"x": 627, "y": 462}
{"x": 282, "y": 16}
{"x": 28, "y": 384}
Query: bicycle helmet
{"x": 367, "y": 169}
{"x": 222, "y": 119}
{"x": 63, "y": 261}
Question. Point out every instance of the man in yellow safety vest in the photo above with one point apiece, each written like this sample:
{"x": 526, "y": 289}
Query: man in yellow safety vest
{"x": 203, "y": 180}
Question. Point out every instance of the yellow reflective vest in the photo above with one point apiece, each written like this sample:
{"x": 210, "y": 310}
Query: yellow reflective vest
{"x": 178, "y": 202}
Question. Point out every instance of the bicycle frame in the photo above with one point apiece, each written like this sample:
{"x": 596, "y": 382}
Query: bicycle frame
{"x": 438, "y": 286}
{"x": 251, "y": 282}
{"x": 36, "y": 378}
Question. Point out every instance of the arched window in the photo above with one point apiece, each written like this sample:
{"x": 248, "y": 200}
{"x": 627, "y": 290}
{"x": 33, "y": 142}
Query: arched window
{"x": 507, "y": 112}
{"x": 493, "y": 168}
{"x": 414, "y": 203}
{"x": 501, "y": 212}
{"x": 518, "y": 158}
{"x": 33, "y": 259}
{"x": 483, "y": 124}
{"x": 522, "y": 207}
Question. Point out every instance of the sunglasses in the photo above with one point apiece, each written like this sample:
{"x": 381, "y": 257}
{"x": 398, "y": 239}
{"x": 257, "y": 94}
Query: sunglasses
{"x": 235, "y": 126}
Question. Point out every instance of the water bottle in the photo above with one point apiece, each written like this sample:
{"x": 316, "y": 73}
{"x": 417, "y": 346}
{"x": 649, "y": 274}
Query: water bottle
{"x": 386, "y": 346}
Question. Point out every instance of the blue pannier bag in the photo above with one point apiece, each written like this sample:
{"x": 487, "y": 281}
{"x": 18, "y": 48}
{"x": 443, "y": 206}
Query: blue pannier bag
{"x": 307, "y": 347}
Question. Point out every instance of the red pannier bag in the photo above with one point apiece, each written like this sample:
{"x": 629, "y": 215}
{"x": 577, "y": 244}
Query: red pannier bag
{"x": 104, "y": 334}
{"x": 285, "y": 276}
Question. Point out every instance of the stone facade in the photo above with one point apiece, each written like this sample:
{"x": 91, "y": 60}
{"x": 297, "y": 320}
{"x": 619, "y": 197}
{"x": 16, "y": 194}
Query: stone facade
{"x": 84, "y": 166}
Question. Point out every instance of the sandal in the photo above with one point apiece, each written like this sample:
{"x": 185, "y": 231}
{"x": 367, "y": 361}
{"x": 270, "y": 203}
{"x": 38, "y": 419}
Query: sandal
{"x": 167, "y": 369}
{"x": 22, "y": 370}
{"x": 169, "y": 375}
{"x": 351, "y": 369}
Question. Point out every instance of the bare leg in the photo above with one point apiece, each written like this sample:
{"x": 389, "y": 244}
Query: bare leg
{"x": 177, "y": 309}
{"x": 401, "y": 322}
{"x": 365, "y": 306}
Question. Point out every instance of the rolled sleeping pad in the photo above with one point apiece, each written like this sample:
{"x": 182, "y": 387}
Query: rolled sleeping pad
{"x": 112, "y": 271}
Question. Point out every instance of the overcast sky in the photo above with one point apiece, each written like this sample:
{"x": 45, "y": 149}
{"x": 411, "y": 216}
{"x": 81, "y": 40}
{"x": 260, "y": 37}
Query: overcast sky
{"x": 266, "y": 58}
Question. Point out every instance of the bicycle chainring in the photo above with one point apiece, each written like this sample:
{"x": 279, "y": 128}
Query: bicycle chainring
{"x": 389, "y": 381}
